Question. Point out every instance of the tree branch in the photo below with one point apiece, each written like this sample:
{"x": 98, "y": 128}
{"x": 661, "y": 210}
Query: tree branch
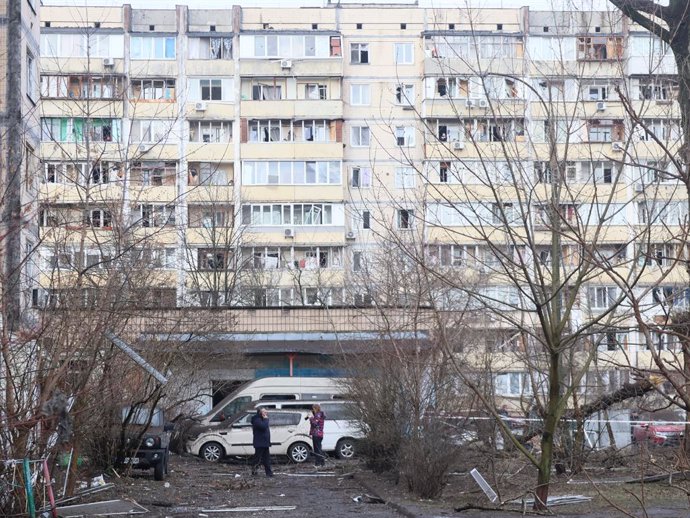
{"x": 636, "y": 10}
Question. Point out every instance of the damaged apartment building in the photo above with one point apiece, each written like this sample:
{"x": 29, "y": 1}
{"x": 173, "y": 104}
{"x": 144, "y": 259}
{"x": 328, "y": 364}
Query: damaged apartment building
{"x": 250, "y": 159}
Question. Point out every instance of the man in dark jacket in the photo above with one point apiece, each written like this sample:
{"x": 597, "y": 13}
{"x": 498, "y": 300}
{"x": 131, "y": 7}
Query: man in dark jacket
{"x": 262, "y": 442}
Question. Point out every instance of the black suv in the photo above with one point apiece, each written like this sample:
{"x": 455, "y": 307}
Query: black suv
{"x": 146, "y": 446}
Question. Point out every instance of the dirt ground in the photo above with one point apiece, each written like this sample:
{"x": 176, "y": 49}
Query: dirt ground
{"x": 198, "y": 488}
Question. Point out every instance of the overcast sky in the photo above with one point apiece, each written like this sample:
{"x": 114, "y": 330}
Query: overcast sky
{"x": 225, "y": 4}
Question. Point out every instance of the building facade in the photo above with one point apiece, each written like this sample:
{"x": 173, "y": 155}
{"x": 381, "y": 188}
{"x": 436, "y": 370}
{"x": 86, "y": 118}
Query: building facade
{"x": 301, "y": 157}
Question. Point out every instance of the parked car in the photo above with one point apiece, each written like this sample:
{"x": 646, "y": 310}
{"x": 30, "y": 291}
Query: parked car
{"x": 658, "y": 434}
{"x": 289, "y": 436}
{"x": 146, "y": 441}
{"x": 274, "y": 389}
{"x": 341, "y": 431}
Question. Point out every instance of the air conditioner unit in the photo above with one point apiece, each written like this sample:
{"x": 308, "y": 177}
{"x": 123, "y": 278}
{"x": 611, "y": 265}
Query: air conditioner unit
{"x": 457, "y": 145}
{"x": 469, "y": 103}
{"x": 143, "y": 148}
{"x": 108, "y": 62}
{"x": 601, "y": 106}
{"x": 616, "y": 146}
{"x": 289, "y": 232}
{"x": 200, "y": 107}
{"x": 350, "y": 235}
{"x": 483, "y": 103}
{"x": 639, "y": 187}
{"x": 285, "y": 63}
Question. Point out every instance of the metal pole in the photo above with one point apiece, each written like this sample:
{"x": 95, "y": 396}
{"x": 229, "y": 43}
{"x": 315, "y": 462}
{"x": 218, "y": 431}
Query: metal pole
{"x": 31, "y": 508}
{"x": 49, "y": 483}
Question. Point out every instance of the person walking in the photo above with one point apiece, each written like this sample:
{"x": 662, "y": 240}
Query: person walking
{"x": 262, "y": 442}
{"x": 316, "y": 421}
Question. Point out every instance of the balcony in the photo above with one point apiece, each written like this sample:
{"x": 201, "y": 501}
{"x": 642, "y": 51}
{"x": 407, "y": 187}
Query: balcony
{"x": 290, "y": 193}
{"x": 297, "y": 67}
{"x": 293, "y": 150}
{"x": 293, "y": 109}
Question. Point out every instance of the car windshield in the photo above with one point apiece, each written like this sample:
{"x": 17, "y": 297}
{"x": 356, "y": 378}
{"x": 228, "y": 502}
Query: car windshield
{"x": 141, "y": 416}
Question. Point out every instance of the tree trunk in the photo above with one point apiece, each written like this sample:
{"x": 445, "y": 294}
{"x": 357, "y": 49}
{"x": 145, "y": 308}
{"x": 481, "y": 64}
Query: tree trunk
{"x": 549, "y": 432}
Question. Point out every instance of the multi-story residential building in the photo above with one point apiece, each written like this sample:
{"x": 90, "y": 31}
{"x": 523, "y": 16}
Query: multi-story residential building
{"x": 260, "y": 158}
{"x": 19, "y": 142}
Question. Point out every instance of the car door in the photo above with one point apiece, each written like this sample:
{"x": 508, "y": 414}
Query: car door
{"x": 284, "y": 426}
{"x": 238, "y": 437}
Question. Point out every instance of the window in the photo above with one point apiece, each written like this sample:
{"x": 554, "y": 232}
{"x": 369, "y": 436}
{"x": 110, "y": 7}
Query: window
{"x": 80, "y": 45}
{"x": 152, "y": 47}
{"x": 309, "y": 214}
{"x": 80, "y": 87}
{"x": 315, "y": 91}
{"x": 443, "y": 170}
{"x": 156, "y": 216}
{"x": 360, "y": 95}
{"x": 210, "y": 48}
{"x": 448, "y": 255}
{"x": 403, "y": 54}
{"x": 31, "y": 74}
{"x": 361, "y": 220}
{"x": 404, "y": 94}
{"x": 359, "y": 136}
{"x": 290, "y": 131}
{"x": 151, "y": 131}
{"x": 153, "y": 89}
{"x": 98, "y": 218}
{"x": 596, "y": 91}
{"x": 206, "y": 173}
{"x": 404, "y": 136}
{"x": 360, "y": 177}
{"x": 62, "y": 129}
{"x": 405, "y": 177}
{"x": 657, "y": 90}
{"x": 513, "y": 384}
{"x": 601, "y": 297}
{"x": 504, "y": 214}
{"x": 267, "y": 92}
{"x": 357, "y": 261}
{"x": 405, "y": 218}
{"x": 359, "y": 53}
{"x": 605, "y": 131}
{"x": 103, "y": 172}
{"x": 599, "y": 48}
{"x": 210, "y": 89}
{"x": 659, "y": 254}
{"x": 214, "y": 259}
{"x": 291, "y": 173}
{"x": 153, "y": 174}
{"x": 212, "y": 132}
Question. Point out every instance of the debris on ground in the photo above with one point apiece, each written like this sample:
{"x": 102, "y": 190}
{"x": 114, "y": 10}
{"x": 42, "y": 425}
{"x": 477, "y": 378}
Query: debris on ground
{"x": 553, "y": 500}
{"x": 368, "y": 499}
{"x": 250, "y": 509}
{"x": 105, "y": 508}
{"x": 482, "y": 483}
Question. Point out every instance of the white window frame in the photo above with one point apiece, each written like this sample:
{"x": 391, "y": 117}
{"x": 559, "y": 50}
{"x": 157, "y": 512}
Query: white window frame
{"x": 359, "y": 49}
{"x": 360, "y": 94}
{"x": 404, "y": 136}
{"x": 405, "y": 94}
{"x": 360, "y": 177}
{"x": 403, "y": 53}
{"x": 405, "y": 177}
{"x": 358, "y": 134}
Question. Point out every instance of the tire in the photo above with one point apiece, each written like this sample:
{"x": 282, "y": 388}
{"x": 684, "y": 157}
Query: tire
{"x": 212, "y": 452}
{"x": 346, "y": 448}
{"x": 299, "y": 452}
{"x": 159, "y": 471}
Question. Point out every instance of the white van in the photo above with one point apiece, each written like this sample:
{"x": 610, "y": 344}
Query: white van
{"x": 274, "y": 389}
{"x": 341, "y": 430}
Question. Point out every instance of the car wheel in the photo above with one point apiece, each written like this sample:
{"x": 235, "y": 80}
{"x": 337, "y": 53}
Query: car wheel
{"x": 212, "y": 452}
{"x": 298, "y": 452}
{"x": 345, "y": 449}
{"x": 159, "y": 470}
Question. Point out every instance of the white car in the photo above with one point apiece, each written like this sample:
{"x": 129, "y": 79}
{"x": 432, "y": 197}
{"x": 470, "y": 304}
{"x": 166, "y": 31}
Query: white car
{"x": 289, "y": 436}
{"x": 340, "y": 431}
